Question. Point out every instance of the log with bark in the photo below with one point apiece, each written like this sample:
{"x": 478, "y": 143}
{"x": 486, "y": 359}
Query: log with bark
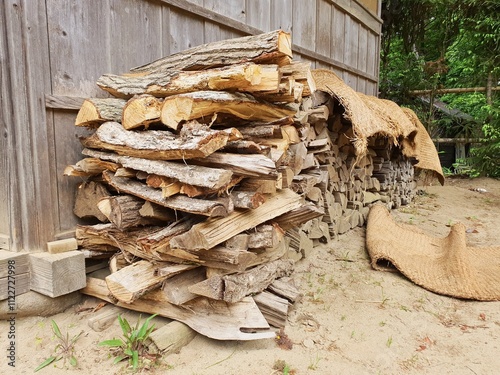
{"x": 212, "y": 232}
{"x": 88, "y": 195}
{"x": 204, "y": 104}
{"x": 246, "y": 77}
{"x": 233, "y": 288}
{"x": 219, "y": 207}
{"x": 262, "y": 48}
{"x": 94, "y": 112}
{"x": 195, "y": 141}
{"x": 205, "y": 177}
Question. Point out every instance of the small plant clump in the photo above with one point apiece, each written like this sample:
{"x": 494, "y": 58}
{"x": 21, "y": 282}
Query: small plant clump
{"x": 64, "y": 350}
{"x": 132, "y": 347}
{"x": 283, "y": 341}
{"x": 281, "y": 367}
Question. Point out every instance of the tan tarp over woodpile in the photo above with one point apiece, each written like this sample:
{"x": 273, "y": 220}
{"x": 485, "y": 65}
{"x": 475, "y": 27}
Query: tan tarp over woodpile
{"x": 442, "y": 265}
{"x": 422, "y": 148}
{"x": 371, "y": 116}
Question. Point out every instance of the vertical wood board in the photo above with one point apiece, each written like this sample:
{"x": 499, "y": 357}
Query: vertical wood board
{"x": 30, "y": 193}
{"x": 281, "y": 15}
{"x": 362, "y": 48}
{"x": 134, "y": 26}
{"x": 304, "y": 23}
{"x": 373, "y": 54}
{"x": 258, "y": 14}
{"x": 68, "y": 149}
{"x": 234, "y": 9}
{"x": 338, "y": 27}
{"x": 323, "y": 28}
{"x": 79, "y": 33}
{"x": 186, "y": 31}
{"x": 80, "y": 36}
{"x": 351, "y": 40}
{"x": 5, "y": 131}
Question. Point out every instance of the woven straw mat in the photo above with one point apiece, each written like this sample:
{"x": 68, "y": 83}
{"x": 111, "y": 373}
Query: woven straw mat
{"x": 442, "y": 265}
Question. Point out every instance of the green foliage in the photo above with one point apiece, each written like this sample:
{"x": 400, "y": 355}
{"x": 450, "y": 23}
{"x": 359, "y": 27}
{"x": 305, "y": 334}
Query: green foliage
{"x": 465, "y": 167}
{"x": 64, "y": 350}
{"x": 486, "y": 159}
{"x": 447, "y": 171}
{"x": 403, "y": 70}
{"x": 132, "y": 345}
{"x": 282, "y": 367}
{"x": 433, "y": 44}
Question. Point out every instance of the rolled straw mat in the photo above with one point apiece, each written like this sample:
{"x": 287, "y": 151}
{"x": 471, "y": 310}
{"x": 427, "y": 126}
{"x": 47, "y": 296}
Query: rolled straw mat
{"x": 442, "y": 265}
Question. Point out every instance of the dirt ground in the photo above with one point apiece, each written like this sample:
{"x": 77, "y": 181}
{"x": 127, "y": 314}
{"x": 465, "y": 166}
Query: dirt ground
{"x": 351, "y": 319}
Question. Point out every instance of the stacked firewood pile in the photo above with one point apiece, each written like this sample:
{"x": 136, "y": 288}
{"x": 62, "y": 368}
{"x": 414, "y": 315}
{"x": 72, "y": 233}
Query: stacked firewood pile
{"x": 339, "y": 181}
{"x": 210, "y": 172}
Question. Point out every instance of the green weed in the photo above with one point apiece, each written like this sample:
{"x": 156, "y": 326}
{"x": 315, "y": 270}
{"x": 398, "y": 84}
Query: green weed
{"x": 64, "y": 350}
{"x": 314, "y": 363}
{"x": 389, "y": 342}
{"x": 132, "y": 346}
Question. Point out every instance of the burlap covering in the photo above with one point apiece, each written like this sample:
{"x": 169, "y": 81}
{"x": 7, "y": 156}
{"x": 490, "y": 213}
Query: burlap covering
{"x": 422, "y": 148}
{"x": 371, "y": 116}
{"x": 442, "y": 265}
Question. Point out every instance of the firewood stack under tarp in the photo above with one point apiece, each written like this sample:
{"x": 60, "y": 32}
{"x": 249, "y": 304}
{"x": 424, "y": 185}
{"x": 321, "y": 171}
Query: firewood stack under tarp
{"x": 211, "y": 171}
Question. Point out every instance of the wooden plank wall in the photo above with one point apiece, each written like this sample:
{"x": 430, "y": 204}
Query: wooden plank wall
{"x": 58, "y": 48}
{"x": 5, "y": 118}
{"x": 31, "y": 193}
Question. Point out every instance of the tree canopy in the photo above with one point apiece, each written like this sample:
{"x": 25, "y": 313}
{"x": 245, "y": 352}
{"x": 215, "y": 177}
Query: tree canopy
{"x": 435, "y": 44}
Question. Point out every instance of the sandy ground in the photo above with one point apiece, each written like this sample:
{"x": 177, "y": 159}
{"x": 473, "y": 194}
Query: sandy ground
{"x": 351, "y": 319}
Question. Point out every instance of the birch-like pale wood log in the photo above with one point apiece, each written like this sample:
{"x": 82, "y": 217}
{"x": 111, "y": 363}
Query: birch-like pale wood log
{"x": 267, "y": 48}
{"x": 132, "y": 282}
{"x": 89, "y": 167}
{"x": 265, "y": 236}
{"x": 123, "y": 211}
{"x": 248, "y": 77}
{"x": 206, "y": 177}
{"x": 212, "y": 232}
{"x": 194, "y": 141}
{"x": 247, "y": 199}
{"x": 233, "y": 288}
{"x": 141, "y": 110}
{"x": 203, "y": 104}
{"x": 94, "y": 111}
{"x": 213, "y": 208}
{"x": 242, "y": 165}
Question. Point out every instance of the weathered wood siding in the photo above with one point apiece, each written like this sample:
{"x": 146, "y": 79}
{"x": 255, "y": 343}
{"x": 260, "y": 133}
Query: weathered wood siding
{"x": 52, "y": 50}
{"x": 4, "y": 136}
